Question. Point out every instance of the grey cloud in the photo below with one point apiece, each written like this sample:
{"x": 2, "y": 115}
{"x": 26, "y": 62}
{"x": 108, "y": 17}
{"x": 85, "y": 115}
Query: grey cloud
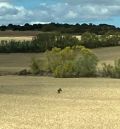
{"x": 8, "y": 11}
{"x": 67, "y": 12}
{"x": 13, "y": 14}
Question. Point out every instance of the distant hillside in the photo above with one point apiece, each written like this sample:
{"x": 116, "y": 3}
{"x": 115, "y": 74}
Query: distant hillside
{"x": 63, "y": 28}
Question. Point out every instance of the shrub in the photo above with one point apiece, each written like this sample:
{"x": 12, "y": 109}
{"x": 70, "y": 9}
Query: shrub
{"x": 72, "y": 61}
{"x": 53, "y": 59}
{"x": 65, "y": 70}
{"x": 35, "y": 66}
{"x": 117, "y": 68}
{"x": 90, "y": 40}
{"x": 108, "y": 70}
{"x": 85, "y": 64}
{"x": 15, "y": 46}
{"x": 111, "y": 70}
{"x": 43, "y": 41}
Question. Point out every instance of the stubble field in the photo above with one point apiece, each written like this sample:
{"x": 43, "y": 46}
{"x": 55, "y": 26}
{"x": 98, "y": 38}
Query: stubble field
{"x": 33, "y": 103}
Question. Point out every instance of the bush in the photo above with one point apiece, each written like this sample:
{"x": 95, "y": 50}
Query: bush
{"x": 35, "y": 66}
{"x": 53, "y": 59}
{"x": 111, "y": 70}
{"x": 90, "y": 40}
{"x": 15, "y": 46}
{"x": 117, "y": 68}
{"x": 65, "y": 70}
{"x": 71, "y": 62}
{"x": 85, "y": 64}
{"x": 43, "y": 41}
{"x": 108, "y": 70}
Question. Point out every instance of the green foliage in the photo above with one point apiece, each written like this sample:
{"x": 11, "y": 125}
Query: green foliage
{"x": 90, "y": 40}
{"x": 46, "y": 41}
{"x": 85, "y": 64}
{"x": 72, "y": 62}
{"x": 65, "y": 70}
{"x": 109, "y": 40}
{"x": 53, "y": 58}
{"x": 15, "y": 46}
{"x": 58, "y": 57}
{"x": 107, "y": 70}
{"x": 117, "y": 68}
{"x": 66, "y": 41}
{"x": 35, "y": 66}
{"x": 40, "y": 43}
{"x": 111, "y": 70}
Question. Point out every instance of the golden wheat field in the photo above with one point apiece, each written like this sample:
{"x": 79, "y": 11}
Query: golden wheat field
{"x": 33, "y": 103}
{"x": 21, "y": 38}
{"x": 25, "y": 38}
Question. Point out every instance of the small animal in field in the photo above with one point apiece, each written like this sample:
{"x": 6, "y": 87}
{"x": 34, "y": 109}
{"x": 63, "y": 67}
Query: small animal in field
{"x": 59, "y": 90}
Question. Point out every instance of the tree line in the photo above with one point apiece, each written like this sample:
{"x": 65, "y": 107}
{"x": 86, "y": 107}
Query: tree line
{"x": 46, "y": 41}
{"x": 63, "y": 28}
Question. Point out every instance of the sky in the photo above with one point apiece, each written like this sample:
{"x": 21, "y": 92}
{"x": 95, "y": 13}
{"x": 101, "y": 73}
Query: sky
{"x": 60, "y": 11}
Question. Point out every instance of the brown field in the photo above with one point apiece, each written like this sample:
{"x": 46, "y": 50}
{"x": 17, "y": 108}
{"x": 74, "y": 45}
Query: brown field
{"x": 14, "y": 62}
{"x": 107, "y": 54}
{"x": 18, "y": 33}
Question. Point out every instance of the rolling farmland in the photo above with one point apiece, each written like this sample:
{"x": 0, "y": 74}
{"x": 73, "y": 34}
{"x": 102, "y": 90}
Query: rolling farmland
{"x": 32, "y": 102}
